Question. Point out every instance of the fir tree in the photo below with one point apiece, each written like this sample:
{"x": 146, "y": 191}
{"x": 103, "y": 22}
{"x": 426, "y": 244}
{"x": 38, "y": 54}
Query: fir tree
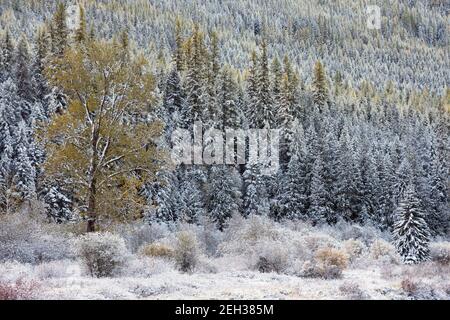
{"x": 81, "y": 30}
{"x": 223, "y": 194}
{"x": 410, "y": 230}
{"x": 320, "y": 90}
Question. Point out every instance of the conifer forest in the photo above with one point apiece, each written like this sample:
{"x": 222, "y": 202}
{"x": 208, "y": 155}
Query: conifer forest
{"x": 224, "y": 149}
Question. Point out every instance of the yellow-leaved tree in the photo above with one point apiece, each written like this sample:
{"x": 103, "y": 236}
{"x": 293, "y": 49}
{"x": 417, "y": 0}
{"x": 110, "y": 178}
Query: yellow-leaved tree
{"x": 103, "y": 144}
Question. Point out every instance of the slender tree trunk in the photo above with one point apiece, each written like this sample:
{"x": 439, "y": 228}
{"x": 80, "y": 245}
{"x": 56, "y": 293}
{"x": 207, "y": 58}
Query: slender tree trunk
{"x": 91, "y": 203}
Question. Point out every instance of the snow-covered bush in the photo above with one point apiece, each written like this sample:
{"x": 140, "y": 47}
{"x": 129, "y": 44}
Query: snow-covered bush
{"x": 328, "y": 263}
{"x": 383, "y": 251}
{"x": 331, "y": 262}
{"x": 352, "y": 291}
{"x": 440, "y": 253}
{"x": 21, "y": 289}
{"x": 26, "y": 239}
{"x": 157, "y": 250}
{"x": 186, "y": 251}
{"x": 56, "y": 269}
{"x": 354, "y": 248}
{"x": 139, "y": 234}
{"x": 145, "y": 267}
{"x": 102, "y": 253}
{"x": 318, "y": 240}
{"x": 271, "y": 257}
{"x": 243, "y": 235}
{"x": 347, "y": 231}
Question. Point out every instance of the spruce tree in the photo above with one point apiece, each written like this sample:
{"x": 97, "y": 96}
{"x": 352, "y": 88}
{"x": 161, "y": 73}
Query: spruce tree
{"x": 6, "y": 56}
{"x": 410, "y": 230}
{"x": 81, "y": 30}
{"x": 22, "y": 72}
{"x": 320, "y": 90}
{"x": 223, "y": 194}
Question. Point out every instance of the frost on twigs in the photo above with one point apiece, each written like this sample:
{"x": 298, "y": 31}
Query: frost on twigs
{"x": 103, "y": 254}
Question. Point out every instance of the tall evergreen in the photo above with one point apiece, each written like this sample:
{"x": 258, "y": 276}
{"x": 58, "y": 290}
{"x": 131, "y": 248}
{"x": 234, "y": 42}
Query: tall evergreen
{"x": 320, "y": 88}
{"x": 410, "y": 230}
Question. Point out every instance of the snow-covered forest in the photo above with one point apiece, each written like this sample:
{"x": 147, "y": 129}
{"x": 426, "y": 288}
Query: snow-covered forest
{"x": 91, "y": 93}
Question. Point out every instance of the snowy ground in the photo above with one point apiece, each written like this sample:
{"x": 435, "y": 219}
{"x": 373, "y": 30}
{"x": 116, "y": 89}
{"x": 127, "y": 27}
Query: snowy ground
{"x": 253, "y": 258}
{"x": 67, "y": 282}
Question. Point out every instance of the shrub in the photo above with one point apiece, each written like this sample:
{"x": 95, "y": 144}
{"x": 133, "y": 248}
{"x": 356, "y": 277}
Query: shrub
{"x": 409, "y": 286}
{"x": 328, "y": 264}
{"x": 353, "y": 248}
{"x": 157, "y": 250}
{"x": 25, "y": 239}
{"x": 440, "y": 253}
{"x": 318, "y": 240}
{"x": 352, "y": 291}
{"x": 331, "y": 262}
{"x": 103, "y": 254}
{"x": 272, "y": 257}
{"x": 382, "y": 250}
{"x": 186, "y": 251}
{"x": 19, "y": 290}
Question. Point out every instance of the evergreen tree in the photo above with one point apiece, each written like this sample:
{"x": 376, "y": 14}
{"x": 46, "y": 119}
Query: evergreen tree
{"x": 81, "y": 30}
{"x": 320, "y": 89}
{"x": 22, "y": 72}
{"x": 256, "y": 199}
{"x": 319, "y": 210}
{"x": 59, "y": 31}
{"x": 6, "y": 56}
{"x": 410, "y": 230}
{"x": 223, "y": 194}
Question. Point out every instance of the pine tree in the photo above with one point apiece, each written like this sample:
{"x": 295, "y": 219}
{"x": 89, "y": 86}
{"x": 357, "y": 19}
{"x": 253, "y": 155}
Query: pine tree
{"x": 265, "y": 102}
{"x": 230, "y": 115}
{"x": 191, "y": 205}
{"x": 42, "y": 44}
{"x": 59, "y": 31}
{"x": 410, "y": 230}
{"x": 59, "y": 205}
{"x": 22, "y": 72}
{"x": 319, "y": 210}
{"x": 320, "y": 90}
{"x": 256, "y": 199}
{"x": 81, "y": 30}
{"x": 223, "y": 194}
{"x": 6, "y": 56}
{"x": 253, "y": 117}
{"x": 163, "y": 196}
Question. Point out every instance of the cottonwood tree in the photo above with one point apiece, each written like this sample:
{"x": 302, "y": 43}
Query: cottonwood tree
{"x": 98, "y": 144}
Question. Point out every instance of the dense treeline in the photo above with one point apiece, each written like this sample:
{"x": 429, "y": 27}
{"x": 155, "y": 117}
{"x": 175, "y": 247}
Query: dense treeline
{"x": 347, "y": 152}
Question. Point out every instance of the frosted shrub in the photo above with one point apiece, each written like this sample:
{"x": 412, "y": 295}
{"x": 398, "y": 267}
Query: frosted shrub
{"x": 354, "y": 248}
{"x": 328, "y": 263}
{"x": 242, "y": 235}
{"x": 440, "y": 253}
{"x": 157, "y": 250}
{"x": 366, "y": 234}
{"x": 331, "y": 262}
{"x": 271, "y": 257}
{"x": 352, "y": 291}
{"x": 186, "y": 251}
{"x": 144, "y": 267}
{"x": 103, "y": 253}
{"x": 318, "y": 240}
{"x": 55, "y": 269}
{"x": 21, "y": 289}
{"x": 139, "y": 234}
{"x": 384, "y": 251}
{"x": 24, "y": 239}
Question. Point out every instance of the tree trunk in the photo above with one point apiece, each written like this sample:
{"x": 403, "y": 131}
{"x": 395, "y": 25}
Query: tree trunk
{"x": 92, "y": 217}
{"x": 91, "y": 212}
